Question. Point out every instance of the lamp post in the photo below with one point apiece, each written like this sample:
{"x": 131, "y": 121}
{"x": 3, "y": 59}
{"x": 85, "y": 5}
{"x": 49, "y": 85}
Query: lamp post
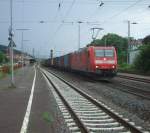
{"x": 79, "y": 22}
{"x": 11, "y": 44}
{"x": 23, "y": 52}
{"x": 129, "y": 40}
{"x": 128, "y": 48}
{"x": 22, "y": 44}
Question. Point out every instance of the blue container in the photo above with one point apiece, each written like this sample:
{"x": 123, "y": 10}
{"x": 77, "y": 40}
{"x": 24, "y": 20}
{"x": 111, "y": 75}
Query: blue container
{"x": 66, "y": 61}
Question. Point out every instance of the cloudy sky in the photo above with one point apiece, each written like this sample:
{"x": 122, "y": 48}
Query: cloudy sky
{"x": 53, "y": 24}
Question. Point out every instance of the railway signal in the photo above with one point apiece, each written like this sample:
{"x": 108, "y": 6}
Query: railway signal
{"x": 51, "y": 56}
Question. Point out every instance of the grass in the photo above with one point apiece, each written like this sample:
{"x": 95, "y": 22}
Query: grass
{"x": 127, "y": 68}
{"x": 1, "y": 75}
{"x": 47, "y": 117}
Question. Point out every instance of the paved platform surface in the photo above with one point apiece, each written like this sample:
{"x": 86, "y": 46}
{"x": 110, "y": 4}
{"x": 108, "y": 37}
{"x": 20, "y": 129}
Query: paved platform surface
{"x": 45, "y": 116}
{"x": 13, "y": 101}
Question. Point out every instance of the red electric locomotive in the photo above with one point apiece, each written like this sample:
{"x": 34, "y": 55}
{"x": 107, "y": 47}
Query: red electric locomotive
{"x": 93, "y": 60}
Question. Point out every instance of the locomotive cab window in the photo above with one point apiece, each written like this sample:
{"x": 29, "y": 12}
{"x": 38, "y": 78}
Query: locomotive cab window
{"x": 109, "y": 53}
{"x": 104, "y": 53}
{"x": 99, "y": 53}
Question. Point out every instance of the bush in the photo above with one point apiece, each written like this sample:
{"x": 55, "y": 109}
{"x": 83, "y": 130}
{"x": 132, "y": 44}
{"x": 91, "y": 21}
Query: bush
{"x": 142, "y": 61}
{"x": 3, "y": 58}
{"x": 124, "y": 67}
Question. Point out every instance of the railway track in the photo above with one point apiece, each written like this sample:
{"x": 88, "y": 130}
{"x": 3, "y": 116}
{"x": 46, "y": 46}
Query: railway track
{"x": 127, "y": 88}
{"x": 82, "y": 113}
{"x": 135, "y": 90}
{"x": 134, "y": 78}
{"x": 140, "y": 92}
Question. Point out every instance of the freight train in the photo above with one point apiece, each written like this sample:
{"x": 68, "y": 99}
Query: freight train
{"x": 92, "y": 60}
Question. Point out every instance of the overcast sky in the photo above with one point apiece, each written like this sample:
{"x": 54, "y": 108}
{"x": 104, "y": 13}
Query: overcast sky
{"x": 46, "y": 31}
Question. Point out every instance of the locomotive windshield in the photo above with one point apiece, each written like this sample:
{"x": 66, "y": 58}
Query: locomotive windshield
{"x": 104, "y": 53}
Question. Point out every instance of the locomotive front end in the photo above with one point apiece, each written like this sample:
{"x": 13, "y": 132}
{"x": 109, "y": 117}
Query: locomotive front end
{"x": 105, "y": 61}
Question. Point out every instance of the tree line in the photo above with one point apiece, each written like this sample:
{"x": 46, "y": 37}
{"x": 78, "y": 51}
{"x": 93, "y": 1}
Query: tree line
{"x": 142, "y": 61}
{"x": 3, "y": 58}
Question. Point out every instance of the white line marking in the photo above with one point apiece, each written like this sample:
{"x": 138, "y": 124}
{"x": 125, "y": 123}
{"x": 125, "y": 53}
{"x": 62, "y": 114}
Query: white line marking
{"x": 28, "y": 110}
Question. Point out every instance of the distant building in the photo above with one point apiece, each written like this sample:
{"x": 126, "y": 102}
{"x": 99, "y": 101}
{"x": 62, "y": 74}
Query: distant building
{"x": 134, "y": 44}
{"x": 17, "y": 54}
{"x": 134, "y": 51}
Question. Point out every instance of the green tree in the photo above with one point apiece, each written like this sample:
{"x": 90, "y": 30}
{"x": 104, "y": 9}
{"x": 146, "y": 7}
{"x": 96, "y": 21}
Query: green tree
{"x": 146, "y": 40}
{"x": 97, "y": 42}
{"x": 111, "y": 39}
{"x": 142, "y": 61}
{"x": 3, "y": 58}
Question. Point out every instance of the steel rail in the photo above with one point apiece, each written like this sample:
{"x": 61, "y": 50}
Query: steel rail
{"x": 126, "y": 124}
{"x": 133, "y": 92}
{"x": 134, "y": 78}
{"x": 137, "y": 91}
{"x": 73, "y": 114}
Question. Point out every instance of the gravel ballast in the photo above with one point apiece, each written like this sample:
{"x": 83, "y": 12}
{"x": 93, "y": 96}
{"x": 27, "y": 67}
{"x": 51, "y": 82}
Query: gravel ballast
{"x": 128, "y": 105}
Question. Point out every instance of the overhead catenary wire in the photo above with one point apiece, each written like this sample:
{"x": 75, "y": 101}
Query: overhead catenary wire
{"x": 102, "y": 3}
{"x": 119, "y": 13}
{"x": 97, "y": 9}
{"x": 122, "y": 2}
{"x": 59, "y": 6}
{"x": 124, "y": 10}
{"x": 130, "y": 6}
{"x": 68, "y": 2}
{"x": 66, "y": 15}
{"x": 70, "y": 8}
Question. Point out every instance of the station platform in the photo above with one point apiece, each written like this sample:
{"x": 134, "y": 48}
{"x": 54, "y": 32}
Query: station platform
{"x": 44, "y": 116}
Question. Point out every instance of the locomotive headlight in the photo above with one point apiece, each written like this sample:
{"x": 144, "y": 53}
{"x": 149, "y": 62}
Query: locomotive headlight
{"x": 113, "y": 66}
{"x": 96, "y": 66}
